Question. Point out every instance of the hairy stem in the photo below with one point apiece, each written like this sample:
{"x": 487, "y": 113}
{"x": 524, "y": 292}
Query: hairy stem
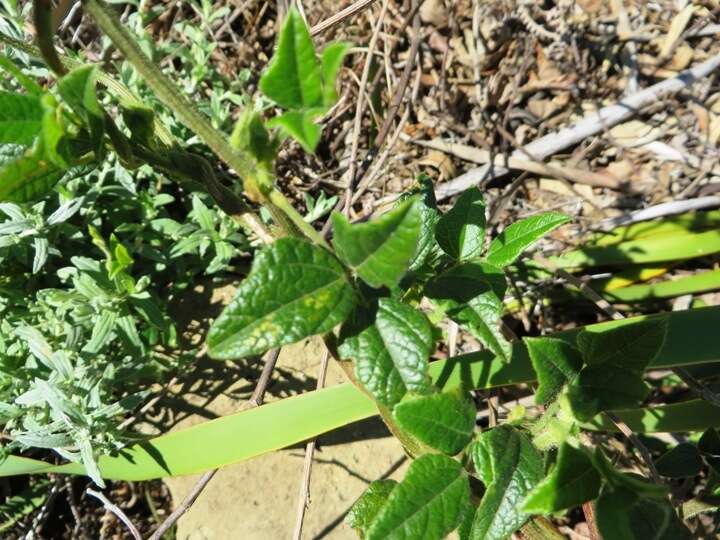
{"x": 165, "y": 89}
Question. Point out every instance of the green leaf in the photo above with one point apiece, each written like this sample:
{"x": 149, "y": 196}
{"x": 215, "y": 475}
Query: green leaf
{"x": 482, "y": 316}
{"x": 510, "y": 468}
{"x": 294, "y": 290}
{"x": 709, "y": 446}
{"x": 390, "y": 347}
{"x": 634, "y": 346}
{"x": 368, "y": 505}
{"x": 623, "y": 515}
{"x": 573, "y": 481}
{"x": 301, "y": 126}
{"x": 27, "y": 178}
{"x": 293, "y": 78}
{"x": 429, "y": 216}
{"x": 427, "y": 505}
{"x": 445, "y": 422}
{"x": 332, "y": 59}
{"x": 555, "y": 362}
{"x": 77, "y": 89}
{"x": 508, "y": 245}
{"x": 471, "y": 294}
{"x": 682, "y": 461}
{"x": 53, "y": 133}
{"x": 380, "y": 250}
{"x": 20, "y": 118}
{"x": 251, "y": 136}
{"x": 461, "y": 232}
{"x": 616, "y": 360}
{"x": 461, "y": 283}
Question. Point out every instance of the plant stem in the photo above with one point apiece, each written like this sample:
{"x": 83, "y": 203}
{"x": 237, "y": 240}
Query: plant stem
{"x": 166, "y": 90}
{"x": 277, "y": 199}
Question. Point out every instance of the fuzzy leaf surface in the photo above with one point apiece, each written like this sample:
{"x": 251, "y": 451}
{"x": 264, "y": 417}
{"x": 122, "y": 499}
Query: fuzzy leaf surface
{"x": 510, "y": 467}
{"x": 294, "y": 290}
{"x": 444, "y": 421}
{"x": 573, "y": 481}
{"x": 20, "y": 118}
{"x": 615, "y": 362}
{"x": 369, "y": 504}
{"x": 555, "y": 362}
{"x": 427, "y": 505}
{"x": 380, "y": 250}
{"x": 461, "y": 232}
{"x": 429, "y": 216}
{"x": 390, "y": 347}
{"x": 509, "y": 244}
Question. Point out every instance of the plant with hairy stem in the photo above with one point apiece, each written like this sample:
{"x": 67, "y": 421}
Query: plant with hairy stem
{"x": 362, "y": 293}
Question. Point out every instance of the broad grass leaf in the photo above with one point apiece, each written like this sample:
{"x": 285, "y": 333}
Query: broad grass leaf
{"x": 445, "y": 421}
{"x": 20, "y": 118}
{"x": 510, "y": 467}
{"x": 294, "y": 290}
{"x": 380, "y": 251}
{"x": 573, "y": 481}
{"x": 461, "y": 231}
{"x": 509, "y": 244}
{"x": 427, "y": 505}
{"x": 555, "y": 362}
{"x": 390, "y": 347}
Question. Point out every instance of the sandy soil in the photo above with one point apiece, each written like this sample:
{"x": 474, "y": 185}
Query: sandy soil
{"x": 258, "y": 499}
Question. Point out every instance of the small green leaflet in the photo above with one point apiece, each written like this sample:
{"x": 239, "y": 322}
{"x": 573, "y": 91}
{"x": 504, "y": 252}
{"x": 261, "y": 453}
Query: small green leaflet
{"x": 380, "y": 250}
{"x": 294, "y": 290}
{"x": 428, "y": 504}
{"x": 461, "y": 232}
{"x": 390, "y": 347}
{"x": 299, "y": 82}
{"x": 556, "y": 363}
{"x": 368, "y": 505}
{"x": 471, "y": 293}
{"x": 445, "y": 422}
{"x": 429, "y": 216}
{"x": 20, "y": 118}
{"x": 509, "y": 244}
{"x": 573, "y": 481}
{"x": 510, "y": 468}
{"x": 615, "y": 361}
{"x": 623, "y": 515}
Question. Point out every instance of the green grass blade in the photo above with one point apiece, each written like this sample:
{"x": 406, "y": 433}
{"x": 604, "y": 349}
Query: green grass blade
{"x": 247, "y": 434}
{"x": 650, "y": 250}
{"x": 697, "y": 283}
